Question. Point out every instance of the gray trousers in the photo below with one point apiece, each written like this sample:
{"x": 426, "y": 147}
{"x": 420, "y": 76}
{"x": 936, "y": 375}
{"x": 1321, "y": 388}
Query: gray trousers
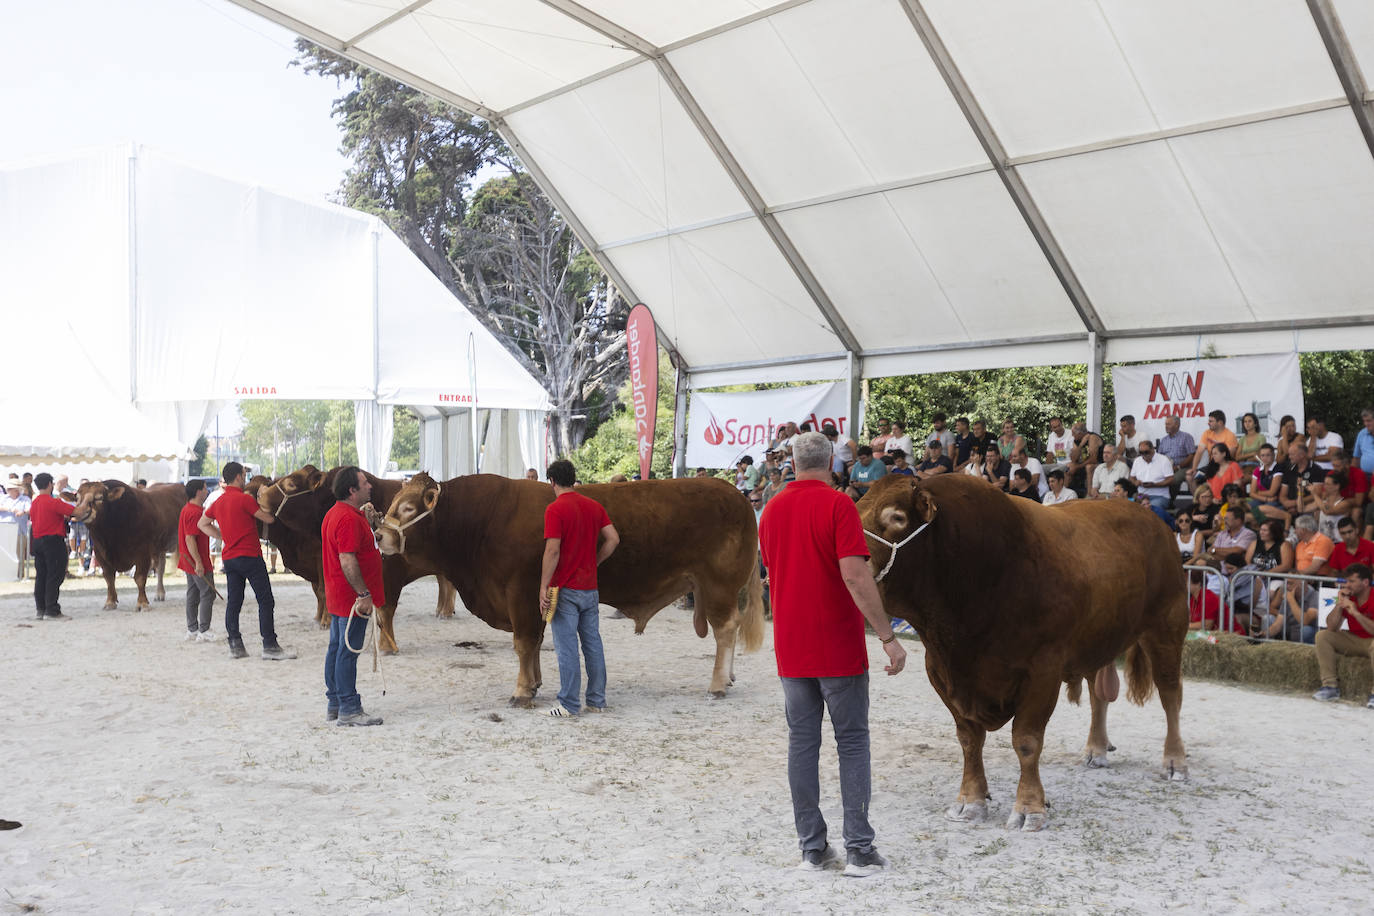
{"x": 806, "y": 699}
{"x": 200, "y": 595}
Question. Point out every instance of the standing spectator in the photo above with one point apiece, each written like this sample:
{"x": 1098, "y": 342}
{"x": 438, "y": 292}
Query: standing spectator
{"x": 1106, "y": 474}
{"x": 900, "y": 440}
{"x": 1178, "y": 447}
{"x": 1216, "y": 431}
{"x": 1059, "y": 493}
{"x": 867, "y": 471}
{"x": 746, "y": 475}
{"x": 1222, "y": 469}
{"x": 1058, "y": 443}
{"x": 934, "y": 464}
{"x": 1321, "y": 442}
{"x": 26, "y": 485}
{"x": 1356, "y": 607}
{"x": 1364, "y": 443}
{"x": 48, "y": 518}
{"x": 1300, "y": 479}
{"x": 1312, "y": 549}
{"x": 822, "y": 592}
{"x": 963, "y": 445}
{"x": 879, "y": 442}
{"x": 14, "y": 507}
{"x": 531, "y": 474}
{"x": 193, "y": 559}
{"x": 1351, "y": 548}
{"x": 842, "y": 450}
{"x": 1021, "y": 485}
{"x": 996, "y": 469}
{"x": 1020, "y": 458}
{"x": 1151, "y": 472}
{"x": 702, "y": 472}
{"x": 939, "y": 430}
{"x": 353, "y": 587}
{"x": 1128, "y": 439}
{"x": 899, "y": 465}
{"x": 1250, "y": 441}
{"x": 578, "y": 537}
{"x": 1009, "y": 441}
{"x": 233, "y": 518}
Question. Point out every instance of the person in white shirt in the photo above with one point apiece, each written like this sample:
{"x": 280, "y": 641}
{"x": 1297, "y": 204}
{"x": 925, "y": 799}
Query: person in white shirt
{"x": 1152, "y": 472}
{"x": 1020, "y": 458}
{"x": 1106, "y": 474}
{"x": 1058, "y": 445}
{"x": 899, "y": 440}
{"x": 1128, "y": 439}
{"x": 1058, "y": 492}
{"x": 1321, "y": 442}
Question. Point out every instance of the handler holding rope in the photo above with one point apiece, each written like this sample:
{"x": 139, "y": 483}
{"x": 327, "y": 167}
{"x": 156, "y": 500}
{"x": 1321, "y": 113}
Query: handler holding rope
{"x": 352, "y": 588}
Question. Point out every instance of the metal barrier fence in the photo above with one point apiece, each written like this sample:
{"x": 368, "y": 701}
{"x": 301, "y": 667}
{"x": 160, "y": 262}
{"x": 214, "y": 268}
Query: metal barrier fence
{"x": 1266, "y": 602}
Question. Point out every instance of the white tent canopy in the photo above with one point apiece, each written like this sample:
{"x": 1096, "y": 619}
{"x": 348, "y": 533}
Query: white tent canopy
{"x": 157, "y": 284}
{"x": 809, "y": 189}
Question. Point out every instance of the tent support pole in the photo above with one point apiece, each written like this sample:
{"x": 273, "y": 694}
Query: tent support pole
{"x": 680, "y": 424}
{"x": 1096, "y": 350}
{"x": 854, "y": 382}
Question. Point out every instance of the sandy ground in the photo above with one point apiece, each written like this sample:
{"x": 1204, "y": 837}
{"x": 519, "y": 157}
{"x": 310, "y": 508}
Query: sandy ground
{"x": 156, "y": 776}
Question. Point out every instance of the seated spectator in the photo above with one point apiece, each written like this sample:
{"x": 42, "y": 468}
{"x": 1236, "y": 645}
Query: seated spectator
{"x": 1222, "y": 470}
{"x": 1249, "y": 443}
{"x": 1009, "y": 441}
{"x": 1354, "y": 607}
{"x": 1204, "y": 607}
{"x": 865, "y": 473}
{"x": 1293, "y": 617}
{"x": 1022, "y": 486}
{"x": 996, "y": 470}
{"x": 1216, "y": 431}
{"x": 879, "y": 442}
{"x": 1204, "y": 511}
{"x": 746, "y": 475}
{"x": 1299, "y": 480}
{"x": 1084, "y": 456}
{"x": 702, "y": 472}
{"x": 1330, "y": 505}
{"x": 934, "y": 464}
{"x": 1288, "y": 434}
{"x": 1058, "y": 444}
{"x": 1177, "y": 446}
{"x": 774, "y": 486}
{"x": 842, "y": 450}
{"x": 1313, "y": 549}
{"x": 940, "y": 430}
{"x": 973, "y": 467}
{"x": 982, "y": 439}
{"x": 1321, "y": 442}
{"x": 1124, "y": 489}
{"x": 1265, "y": 482}
{"x": 1151, "y": 472}
{"x": 1188, "y": 539}
{"x": 1021, "y": 459}
{"x": 889, "y": 461}
{"x": 1356, "y": 487}
{"x": 899, "y": 465}
{"x": 1269, "y": 553}
{"x": 900, "y": 440}
{"x": 1059, "y": 492}
{"x": 1233, "y": 536}
{"x": 1364, "y": 443}
{"x": 1106, "y": 474}
{"x": 1128, "y": 440}
{"x": 1232, "y": 500}
{"x": 963, "y": 445}
{"x": 1351, "y": 548}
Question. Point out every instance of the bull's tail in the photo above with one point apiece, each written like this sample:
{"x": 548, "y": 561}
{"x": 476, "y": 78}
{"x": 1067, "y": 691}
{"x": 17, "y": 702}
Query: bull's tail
{"x": 751, "y": 623}
{"x": 1074, "y": 691}
{"x": 1140, "y": 682}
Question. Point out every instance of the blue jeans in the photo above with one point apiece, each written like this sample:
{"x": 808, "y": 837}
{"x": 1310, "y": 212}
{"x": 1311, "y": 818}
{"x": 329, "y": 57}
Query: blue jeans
{"x": 577, "y": 617}
{"x": 806, "y": 699}
{"x": 1159, "y": 502}
{"x": 341, "y": 664}
{"x": 253, "y": 571}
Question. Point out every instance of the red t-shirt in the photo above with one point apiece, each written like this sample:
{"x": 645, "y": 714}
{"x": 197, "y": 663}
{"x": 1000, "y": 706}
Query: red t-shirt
{"x": 46, "y": 514}
{"x": 188, "y": 526}
{"x": 345, "y": 530}
{"x": 1207, "y": 606}
{"x": 576, "y": 521}
{"x": 818, "y": 630}
{"x": 234, "y": 513}
{"x": 1366, "y": 609}
{"x": 1341, "y": 556}
{"x": 1357, "y": 482}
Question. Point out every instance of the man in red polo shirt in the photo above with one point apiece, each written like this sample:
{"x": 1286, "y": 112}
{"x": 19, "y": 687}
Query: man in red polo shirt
{"x": 352, "y": 588}
{"x": 822, "y": 591}
{"x": 578, "y": 537}
{"x": 193, "y": 558}
{"x": 1355, "y": 607}
{"x": 238, "y": 514}
{"x": 1351, "y": 548}
{"x": 48, "y": 539}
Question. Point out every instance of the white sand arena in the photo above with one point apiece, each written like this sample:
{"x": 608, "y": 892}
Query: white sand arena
{"x": 155, "y": 776}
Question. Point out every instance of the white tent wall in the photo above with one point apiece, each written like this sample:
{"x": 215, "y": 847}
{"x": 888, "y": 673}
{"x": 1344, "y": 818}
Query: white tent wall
{"x": 512, "y": 442}
{"x": 373, "y": 431}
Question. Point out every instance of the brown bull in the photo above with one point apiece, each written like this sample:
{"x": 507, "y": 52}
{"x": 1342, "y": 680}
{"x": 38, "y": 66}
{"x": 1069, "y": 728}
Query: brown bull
{"x": 299, "y": 501}
{"x": 487, "y": 533}
{"x": 130, "y": 528}
{"x": 299, "y": 553}
{"x": 1012, "y": 598}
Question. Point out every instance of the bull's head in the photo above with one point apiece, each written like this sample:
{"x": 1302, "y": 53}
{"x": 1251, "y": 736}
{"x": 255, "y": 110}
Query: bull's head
{"x": 275, "y": 494}
{"x": 91, "y": 498}
{"x": 412, "y": 505}
{"x": 894, "y": 509}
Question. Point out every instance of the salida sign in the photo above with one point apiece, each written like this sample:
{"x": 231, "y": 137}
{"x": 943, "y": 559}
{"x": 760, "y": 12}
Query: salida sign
{"x": 722, "y": 428}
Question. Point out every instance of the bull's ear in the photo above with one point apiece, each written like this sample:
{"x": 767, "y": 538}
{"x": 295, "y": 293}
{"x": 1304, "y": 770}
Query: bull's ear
{"x": 314, "y": 479}
{"x": 430, "y": 497}
{"x": 925, "y": 507}
{"x": 114, "y": 493}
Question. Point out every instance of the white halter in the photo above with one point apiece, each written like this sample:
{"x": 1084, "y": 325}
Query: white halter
{"x": 893, "y": 555}
{"x": 284, "y": 497}
{"x": 401, "y": 529}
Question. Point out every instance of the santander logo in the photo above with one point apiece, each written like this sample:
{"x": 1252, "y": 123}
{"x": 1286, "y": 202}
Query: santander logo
{"x": 714, "y": 434}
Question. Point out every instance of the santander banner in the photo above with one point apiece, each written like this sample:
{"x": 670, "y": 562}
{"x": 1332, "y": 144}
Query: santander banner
{"x": 1267, "y": 386}
{"x": 722, "y": 428}
{"x": 642, "y": 341}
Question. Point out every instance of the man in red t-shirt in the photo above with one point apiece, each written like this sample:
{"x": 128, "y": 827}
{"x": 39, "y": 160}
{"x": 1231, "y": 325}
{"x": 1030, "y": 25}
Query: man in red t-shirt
{"x": 48, "y": 545}
{"x": 1351, "y": 548}
{"x": 578, "y": 537}
{"x": 1355, "y": 607}
{"x": 822, "y": 591}
{"x": 352, "y": 588}
{"x": 193, "y": 558}
{"x": 238, "y": 514}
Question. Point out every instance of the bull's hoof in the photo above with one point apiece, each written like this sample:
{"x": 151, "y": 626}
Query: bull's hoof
{"x": 717, "y": 694}
{"x": 967, "y": 812}
{"x": 1175, "y": 771}
{"x": 1028, "y": 822}
{"x": 1095, "y": 760}
{"x": 391, "y": 651}
{"x": 144, "y": 606}
{"x": 111, "y": 606}
{"x": 161, "y": 595}
{"x": 522, "y": 702}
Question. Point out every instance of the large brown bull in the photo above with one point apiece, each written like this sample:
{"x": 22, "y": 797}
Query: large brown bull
{"x": 130, "y": 528}
{"x": 1012, "y": 598}
{"x": 299, "y": 501}
{"x": 487, "y": 534}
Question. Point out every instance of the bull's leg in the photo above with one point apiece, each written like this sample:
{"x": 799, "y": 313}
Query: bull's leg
{"x": 527, "y": 643}
{"x": 141, "y": 580}
{"x": 1095, "y": 752}
{"x": 321, "y": 612}
{"x": 1028, "y": 740}
{"x": 722, "y": 675}
{"x": 447, "y": 598}
{"x": 1165, "y": 662}
{"x": 161, "y": 564}
{"x": 386, "y": 634}
{"x": 972, "y": 804}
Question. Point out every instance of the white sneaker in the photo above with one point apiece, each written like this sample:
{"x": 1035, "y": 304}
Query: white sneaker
{"x": 207, "y": 636}
{"x": 192, "y": 636}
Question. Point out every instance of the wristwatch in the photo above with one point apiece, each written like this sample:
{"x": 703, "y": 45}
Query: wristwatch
{"x": 365, "y": 594}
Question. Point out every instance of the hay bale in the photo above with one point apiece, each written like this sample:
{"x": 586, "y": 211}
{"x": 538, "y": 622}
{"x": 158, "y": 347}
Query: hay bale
{"x": 1277, "y": 665}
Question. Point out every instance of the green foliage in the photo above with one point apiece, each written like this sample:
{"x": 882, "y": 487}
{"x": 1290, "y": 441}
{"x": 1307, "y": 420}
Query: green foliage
{"x": 613, "y": 449}
{"x": 196, "y": 466}
{"x": 405, "y": 439}
{"x": 297, "y": 433}
{"x": 1338, "y": 385}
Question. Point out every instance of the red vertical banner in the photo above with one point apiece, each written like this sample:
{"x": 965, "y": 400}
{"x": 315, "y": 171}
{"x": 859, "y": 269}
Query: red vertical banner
{"x": 642, "y": 341}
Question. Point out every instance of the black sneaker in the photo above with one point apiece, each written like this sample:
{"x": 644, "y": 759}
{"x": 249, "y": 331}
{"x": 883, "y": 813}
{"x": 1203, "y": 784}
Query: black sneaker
{"x": 236, "y": 649}
{"x": 275, "y": 653}
{"x": 331, "y": 714}
{"x": 361, "y": 717}
{"x": 58, "y": 616}
{"x": 863, "y": 864}
{"x": 817, "y": 859}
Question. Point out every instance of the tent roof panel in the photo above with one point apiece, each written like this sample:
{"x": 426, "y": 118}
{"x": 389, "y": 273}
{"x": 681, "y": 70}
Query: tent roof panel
{"x": 664, "y": 22}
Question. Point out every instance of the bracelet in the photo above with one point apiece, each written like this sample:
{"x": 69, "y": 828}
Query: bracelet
{"x": 367, "y": 594}
{"x": 889, "y": 639}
